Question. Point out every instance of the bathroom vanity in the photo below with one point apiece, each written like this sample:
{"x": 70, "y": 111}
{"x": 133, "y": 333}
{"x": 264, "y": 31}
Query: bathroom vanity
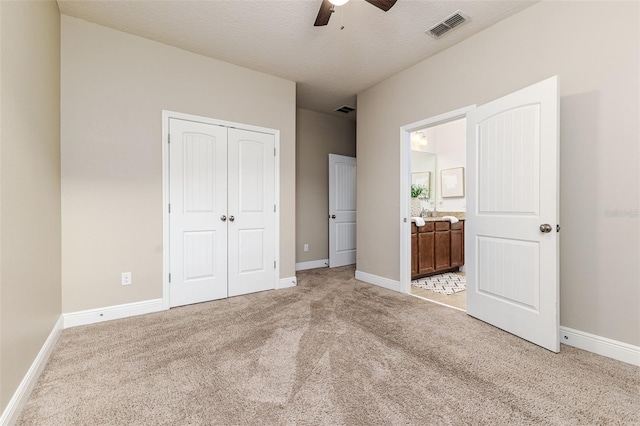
{"x": 436, "y": 247}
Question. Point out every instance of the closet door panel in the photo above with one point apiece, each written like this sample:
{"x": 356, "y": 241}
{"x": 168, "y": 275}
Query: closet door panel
{"x": 251, "y": 197}
{"x": 198, "y": 198}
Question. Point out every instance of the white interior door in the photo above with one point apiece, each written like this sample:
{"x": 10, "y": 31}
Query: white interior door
{"x": 251, "y": 212}
{"x": 512, "y": 212}
{"x": 342, "y": 210}
{"x": 198, "y": 188}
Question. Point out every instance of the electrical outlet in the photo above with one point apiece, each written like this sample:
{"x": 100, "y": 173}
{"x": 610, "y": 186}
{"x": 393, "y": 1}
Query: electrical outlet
{"x": 306, "y": 247}
{"x": 126, "y": 278}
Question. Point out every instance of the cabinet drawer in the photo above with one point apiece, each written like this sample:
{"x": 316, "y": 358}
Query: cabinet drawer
{"x": 428, "y": 227}
{"x": 442, "y": 226}
{"x": 458, "y": 225}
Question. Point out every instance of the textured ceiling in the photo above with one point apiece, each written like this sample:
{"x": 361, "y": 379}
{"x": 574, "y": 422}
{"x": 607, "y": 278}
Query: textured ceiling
{"x": 277, "y": 37}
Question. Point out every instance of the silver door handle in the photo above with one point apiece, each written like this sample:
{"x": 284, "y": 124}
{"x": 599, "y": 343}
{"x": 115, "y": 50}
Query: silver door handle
{"x": 545, "y": 228}
{"x": 223, "y": 218}
{"x": 333, "y": 216}
{"x": 231, "y": 218}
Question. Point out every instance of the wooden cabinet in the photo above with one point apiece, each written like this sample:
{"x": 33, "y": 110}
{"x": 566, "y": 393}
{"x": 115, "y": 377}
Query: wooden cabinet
{"x": 457, "y": 244}
{"x": 436, "y": 247}
{"x": 426, "y": 249}
{"x": 414, "y": 249}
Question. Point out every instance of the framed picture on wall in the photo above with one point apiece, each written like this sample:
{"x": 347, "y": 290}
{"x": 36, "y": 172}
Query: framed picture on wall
{"x": 452, "y": 182}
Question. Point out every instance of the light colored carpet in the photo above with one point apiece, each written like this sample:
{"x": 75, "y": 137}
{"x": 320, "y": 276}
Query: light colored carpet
{"x": 331, "y": 351}
{"x": 447, "y": 283}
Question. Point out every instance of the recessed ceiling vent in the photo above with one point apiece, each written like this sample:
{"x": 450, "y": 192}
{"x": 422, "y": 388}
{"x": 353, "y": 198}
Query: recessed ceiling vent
{"x": 345, "y": 109}
{"x": 447, "y": 24}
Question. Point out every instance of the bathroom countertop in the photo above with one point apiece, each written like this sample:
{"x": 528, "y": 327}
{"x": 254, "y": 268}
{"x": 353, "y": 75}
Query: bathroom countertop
{"x": 459, "y": 215}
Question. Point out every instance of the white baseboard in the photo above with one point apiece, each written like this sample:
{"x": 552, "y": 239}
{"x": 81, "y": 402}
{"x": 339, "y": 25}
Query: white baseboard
{"x": 601, "y": 345}
{"x": 21, "y": 395}
{"x": 108, "y": 313}
{"x": 287, "y": 282}
{"x": 313, "y": 264}
{"x": 379, "y": 281}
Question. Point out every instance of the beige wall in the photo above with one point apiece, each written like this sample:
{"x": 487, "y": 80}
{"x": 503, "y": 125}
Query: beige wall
{"x": 317, "y": 136}
{"x": 114, "y": 88}
{"x": 594, "y": 48}
{"x": 29, "y": 185}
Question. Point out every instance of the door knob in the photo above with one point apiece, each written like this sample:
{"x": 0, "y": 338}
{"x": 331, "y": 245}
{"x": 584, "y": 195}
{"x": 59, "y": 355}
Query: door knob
{"x": 223, "y": 218}
{"x": 333, "y": 216}
{"x": 545, "y": 228}
{"x": 231, "y": 218}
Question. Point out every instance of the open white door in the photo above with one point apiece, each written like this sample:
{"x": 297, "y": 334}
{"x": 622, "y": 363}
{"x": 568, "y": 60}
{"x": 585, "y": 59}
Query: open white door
{"x": 342, "y": 210}
{"x": 512, "y": 213}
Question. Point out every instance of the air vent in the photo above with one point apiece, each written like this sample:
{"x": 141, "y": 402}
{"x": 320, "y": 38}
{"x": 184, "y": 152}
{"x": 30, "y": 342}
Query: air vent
{"x": 345, "y": 109}
{"x": 447, "y": 24}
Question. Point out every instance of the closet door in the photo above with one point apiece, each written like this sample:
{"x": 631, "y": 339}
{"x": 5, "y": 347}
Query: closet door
{"x": 197, "y": 222}
{"x": 251, "y": 225}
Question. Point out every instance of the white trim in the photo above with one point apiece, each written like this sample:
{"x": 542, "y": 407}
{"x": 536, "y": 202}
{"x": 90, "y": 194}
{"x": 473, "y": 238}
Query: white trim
{"x": 166, "y": 115}
{"x": 312, "y": 264}
{"x": 379, "y": 281}
{"x": 437, "y": 303}
{"x": 108, "y": 313}
{"x": 276, "y": 197}
{"x": 21, "y": 395}
{"x": 165, "y": 209}
{"x": 405, "y": 184}
{"x": 287, "y": 282}
{"x": 601, "y": 345}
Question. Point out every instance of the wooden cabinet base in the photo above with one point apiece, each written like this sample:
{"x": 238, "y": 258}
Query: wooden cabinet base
{"x": 441, "y": 271}
{"x": 436, "y": 247}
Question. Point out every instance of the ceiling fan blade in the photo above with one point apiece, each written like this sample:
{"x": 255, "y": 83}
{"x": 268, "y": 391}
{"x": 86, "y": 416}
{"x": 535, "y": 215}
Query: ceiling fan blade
{"x": 323, "y": 14}
{"x": 382, "y": 4}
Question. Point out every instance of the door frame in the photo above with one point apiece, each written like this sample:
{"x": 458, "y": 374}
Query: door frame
{"x": 405, "y": 183}
{"x": 166, "y": 115}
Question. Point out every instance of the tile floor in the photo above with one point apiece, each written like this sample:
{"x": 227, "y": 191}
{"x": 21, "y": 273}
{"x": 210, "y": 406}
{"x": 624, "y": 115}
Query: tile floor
{"x": 457, "y": 300}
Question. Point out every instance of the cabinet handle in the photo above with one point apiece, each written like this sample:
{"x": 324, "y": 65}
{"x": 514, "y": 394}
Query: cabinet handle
{"x": 231, "y": 218}
{"x": 223, "y": 218}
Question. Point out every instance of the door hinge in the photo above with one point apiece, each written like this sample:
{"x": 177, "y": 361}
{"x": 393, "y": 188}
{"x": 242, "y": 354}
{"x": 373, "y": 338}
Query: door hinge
{"x": 274, "y": 264}
{"x": 169, "y": 207}
{"x": 169, "y": 138}
{"x": 274, "y": 208}
{"x": 274, "y": 152}
{"x": 169, "y": 277}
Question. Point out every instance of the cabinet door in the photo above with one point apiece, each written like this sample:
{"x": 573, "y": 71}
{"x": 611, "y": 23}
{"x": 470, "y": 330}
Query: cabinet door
{"x": 414, "y": 254}
{"x": 426, "y": 252}
{"x": 457, "y": 248}
{"x": 442, "y": 250}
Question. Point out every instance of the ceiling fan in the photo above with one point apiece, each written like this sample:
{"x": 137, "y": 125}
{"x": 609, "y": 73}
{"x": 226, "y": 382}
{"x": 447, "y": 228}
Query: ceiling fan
{"x": 328, "y": 6}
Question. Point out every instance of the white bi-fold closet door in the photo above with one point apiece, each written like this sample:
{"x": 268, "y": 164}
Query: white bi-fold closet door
{"x": 222, "y": 212}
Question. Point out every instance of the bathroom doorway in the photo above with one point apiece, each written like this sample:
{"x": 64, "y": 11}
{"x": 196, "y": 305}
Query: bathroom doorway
{"x": 433, "y": 167}
{"x": 438, "y": 208}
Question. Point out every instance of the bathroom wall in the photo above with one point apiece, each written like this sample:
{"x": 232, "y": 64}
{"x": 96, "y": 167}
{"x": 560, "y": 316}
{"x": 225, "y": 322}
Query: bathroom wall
{"x": 448, "y": 142}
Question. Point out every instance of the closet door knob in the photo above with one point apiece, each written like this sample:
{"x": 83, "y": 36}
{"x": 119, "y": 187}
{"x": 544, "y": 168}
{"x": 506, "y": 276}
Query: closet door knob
{"x": 223, "y": 218}
{"x": 231, "y": 218}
